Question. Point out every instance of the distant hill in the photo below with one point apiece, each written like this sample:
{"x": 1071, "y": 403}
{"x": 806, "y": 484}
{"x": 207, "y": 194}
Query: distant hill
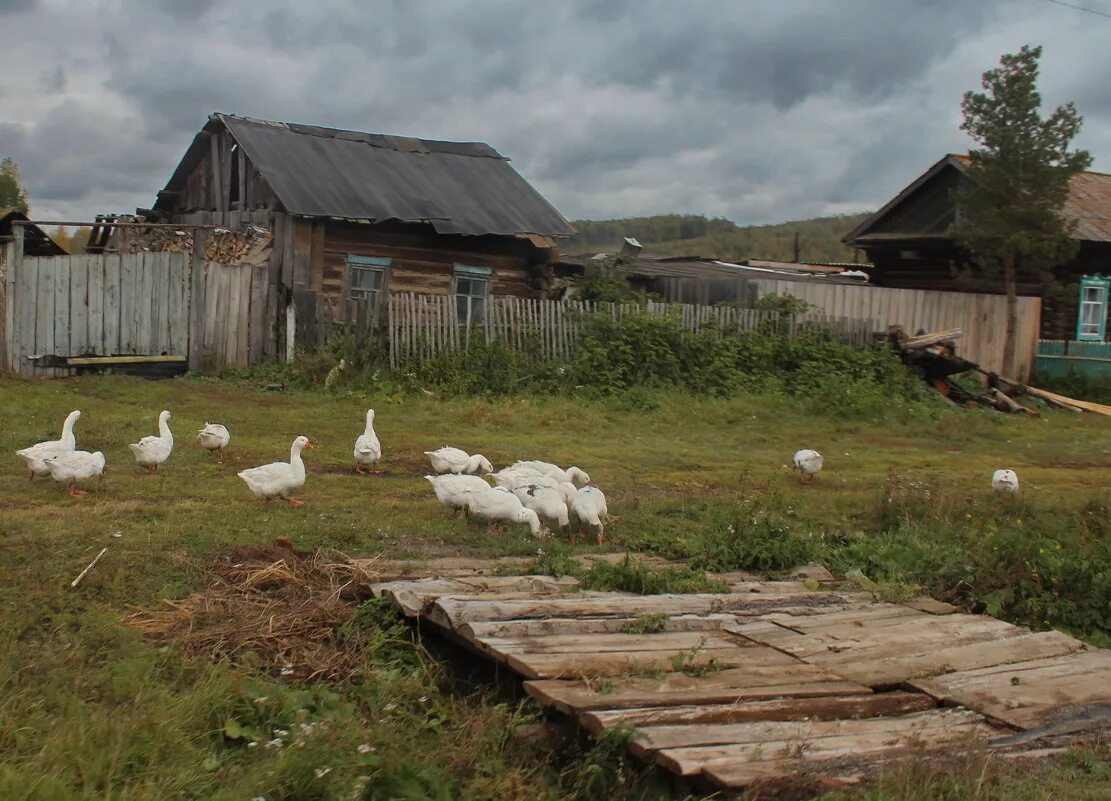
{"x": 693, "y": 235}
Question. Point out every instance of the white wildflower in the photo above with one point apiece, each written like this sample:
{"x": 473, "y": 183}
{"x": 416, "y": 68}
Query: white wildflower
{"x": 389, "y": 707}
{"x": 281, "y": 732}
{"x": 320, "y": 773}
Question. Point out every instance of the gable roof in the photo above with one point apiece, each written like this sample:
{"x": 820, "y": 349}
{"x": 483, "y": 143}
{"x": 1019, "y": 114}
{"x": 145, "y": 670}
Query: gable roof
{"x": 36, "y": 242}
{"x": 1088, "y": 203}
{"x": 457, "y": 187}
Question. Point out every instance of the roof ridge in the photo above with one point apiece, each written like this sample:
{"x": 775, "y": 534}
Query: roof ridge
{"x": 367, "y": 137}
{"x": 964, "y": 157}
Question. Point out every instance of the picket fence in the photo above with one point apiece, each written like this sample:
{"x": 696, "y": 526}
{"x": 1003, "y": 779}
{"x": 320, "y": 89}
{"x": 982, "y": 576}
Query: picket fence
{"x": 421, "y": 326}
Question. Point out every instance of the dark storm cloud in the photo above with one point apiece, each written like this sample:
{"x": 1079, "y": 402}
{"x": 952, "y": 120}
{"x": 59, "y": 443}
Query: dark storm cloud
{"x": 758, "y": 110}
{"x": 12, "y": 6}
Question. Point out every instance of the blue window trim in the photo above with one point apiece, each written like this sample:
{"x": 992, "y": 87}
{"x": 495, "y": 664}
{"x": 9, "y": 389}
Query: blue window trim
{"x": 367, "y": 261}
{"x": 1090, "y": 282}
{"x": 478, "y": 272}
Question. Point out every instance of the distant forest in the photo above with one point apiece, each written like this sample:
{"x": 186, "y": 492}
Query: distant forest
{"x": 693, "y": 235}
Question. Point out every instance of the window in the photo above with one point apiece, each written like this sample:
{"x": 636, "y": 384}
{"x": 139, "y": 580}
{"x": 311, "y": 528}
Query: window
{"x": 1091, "y": 324}
{"x": 472, "y": 286}
{"x": 366, "y": 278}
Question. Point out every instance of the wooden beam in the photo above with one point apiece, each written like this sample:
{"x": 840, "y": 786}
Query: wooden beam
{"x": 110, "y": 360}
{"x": 21, "y": 223}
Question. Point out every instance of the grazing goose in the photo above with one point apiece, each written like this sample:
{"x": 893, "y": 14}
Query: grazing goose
{"x": 214, "y": 438}
{"x": 368, "y": 450}
{"x": 153, "y": 451}
{"x": 547, "y": 502}
{"x": 589, "y": 508}
{"x": 278, "y": 479}
{"x": 1005, "y": 482}
{"x": 36, "y": 455}
{"x": 573, "y": 475}
{"x": 454, "y": 460}
{"x": 497, "y": 505}
{"x": 808, "y": 463}
{"x": 74, "y": 467}
{"x": 453, "y": 491}
{"x": 513, "y": 478}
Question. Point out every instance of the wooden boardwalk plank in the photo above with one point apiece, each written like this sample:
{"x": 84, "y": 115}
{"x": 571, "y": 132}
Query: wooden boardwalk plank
{"x": 571, "y": 625}
{"x": 618, "y": 642}
{"x": 453, "y": 612}
{"x": 723, "y": 687}
{"x": 1024, "y": 694}
{"x": 825, "y": 739}
{"x": 412, "y": 596}
{"x": 890, "y": 670}
{"x": 641, "y": 663}
{"x": 827, "y": 708}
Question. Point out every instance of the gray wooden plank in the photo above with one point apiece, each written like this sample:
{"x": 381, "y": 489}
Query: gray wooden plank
{"x": 44, "y": 312}
{"x": 78, "y": 305}
{"x": 27, "y": 328}
{"x": 242, "y": 357}
{"x": 177, "y": 306}
{"x": 258, "y": 309}
{"x": 144, "y": 306}
{"x": 232, "y": 317}
{"x": 111, "y": 304}
{"x": 94, "y": 311}
{"x": 127, "y": 292}
{"x": 60, "y": 266}
{"x": 211, "y": 309}
{"x": 160, "y": 287}
{"x": 11, "y": 304}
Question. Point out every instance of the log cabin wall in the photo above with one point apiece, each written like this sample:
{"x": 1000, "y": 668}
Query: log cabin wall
{"x": 422, "y": 261}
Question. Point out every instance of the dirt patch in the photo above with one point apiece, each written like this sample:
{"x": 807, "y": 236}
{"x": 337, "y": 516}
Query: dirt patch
{"x": 281, "y": 608}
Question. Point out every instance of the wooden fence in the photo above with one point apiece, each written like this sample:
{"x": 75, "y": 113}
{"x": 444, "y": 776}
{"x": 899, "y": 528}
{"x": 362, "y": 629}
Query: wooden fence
{"x": 981, "y": 317}
{"x": 133, "y": 304}
{"x": 421, "y": 326}
{"x": 1060, "y": 357}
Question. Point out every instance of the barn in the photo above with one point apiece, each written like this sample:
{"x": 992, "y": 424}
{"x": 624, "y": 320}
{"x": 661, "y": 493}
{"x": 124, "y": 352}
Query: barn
{"x": 355, "y": 216}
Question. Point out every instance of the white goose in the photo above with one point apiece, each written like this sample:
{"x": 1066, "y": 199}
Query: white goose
{"x": 548, "y": 503}
{"x": 589, "y": 508}
{"x": 74, "y": 467}
{"x": 809, "y": 463}
{"x": 1005, "y": 482}
{"x": 278, "y": 479}
{"x": 36, "y": 455}
{"x": 453, "y": 491}
{"x": 454, "y": 460}
{"x": 513, "y": 478}
{"x": 214, "y": 438}
{"x": 368, "y": 450}
{"x": 153, "y": 451}
{"x": 497, "y": 506}
{"x": 573, "y": 475}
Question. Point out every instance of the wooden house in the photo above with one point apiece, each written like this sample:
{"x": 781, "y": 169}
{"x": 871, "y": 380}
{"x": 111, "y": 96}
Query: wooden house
{"x": 910, "y": 245}
{"x": 357, "y": 215}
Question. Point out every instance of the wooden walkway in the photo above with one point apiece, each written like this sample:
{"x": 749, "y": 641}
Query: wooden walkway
{"x": 773, "y": 680}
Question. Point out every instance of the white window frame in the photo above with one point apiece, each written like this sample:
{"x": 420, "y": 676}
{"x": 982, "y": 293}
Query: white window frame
{"x": 1093, "y": 295}
{"x": 464, "y": 272}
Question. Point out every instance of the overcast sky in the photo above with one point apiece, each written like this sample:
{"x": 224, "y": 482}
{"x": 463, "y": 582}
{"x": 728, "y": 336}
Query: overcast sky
{"x": 757, "y": 110}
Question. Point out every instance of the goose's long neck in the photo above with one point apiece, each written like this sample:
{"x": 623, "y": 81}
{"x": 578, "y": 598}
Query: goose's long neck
{"x": 164, "y": 430}
{"x": 295, "y": 459}
{"x": 369, "y": 426}
{"x": 67, "y": 430}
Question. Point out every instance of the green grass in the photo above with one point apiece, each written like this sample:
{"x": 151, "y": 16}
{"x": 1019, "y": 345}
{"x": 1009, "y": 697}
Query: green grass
{"x": 91, "y": 710}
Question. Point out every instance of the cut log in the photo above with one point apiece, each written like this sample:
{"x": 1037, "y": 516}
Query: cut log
{"x": 925, "y": 340}
{"x": 1008, "y": 404}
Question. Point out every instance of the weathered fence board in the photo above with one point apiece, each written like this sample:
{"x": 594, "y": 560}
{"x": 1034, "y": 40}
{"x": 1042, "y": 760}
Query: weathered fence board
{"x": 422, "y": 326}
{"x": 982, "y": 318}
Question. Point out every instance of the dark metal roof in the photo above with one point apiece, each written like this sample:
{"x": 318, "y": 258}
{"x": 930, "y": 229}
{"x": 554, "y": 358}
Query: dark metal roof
{"x": 457, "y": 187}
{"x": 1088, "y": 205}
{"x": 36, "y": 242}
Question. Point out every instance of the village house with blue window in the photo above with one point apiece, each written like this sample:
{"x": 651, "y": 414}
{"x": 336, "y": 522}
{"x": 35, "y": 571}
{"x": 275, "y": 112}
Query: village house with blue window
{"x": 909, "y": 244}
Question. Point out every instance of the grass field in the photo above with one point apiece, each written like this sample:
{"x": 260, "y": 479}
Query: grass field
{"x": 89, "y": 709}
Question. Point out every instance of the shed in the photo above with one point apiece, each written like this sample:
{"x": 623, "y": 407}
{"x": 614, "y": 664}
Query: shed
{"x": 357, "y": 215}
{"x": 36, "y": 242}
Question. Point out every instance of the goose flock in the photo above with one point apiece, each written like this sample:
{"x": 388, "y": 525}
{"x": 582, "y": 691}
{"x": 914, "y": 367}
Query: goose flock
{"x": 541, "y": 495}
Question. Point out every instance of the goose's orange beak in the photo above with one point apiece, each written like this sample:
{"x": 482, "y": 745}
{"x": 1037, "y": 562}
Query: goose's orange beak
{"x": 309, "y": 445}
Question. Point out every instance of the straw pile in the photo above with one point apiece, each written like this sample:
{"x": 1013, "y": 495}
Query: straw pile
{"x": 278, "y": 608}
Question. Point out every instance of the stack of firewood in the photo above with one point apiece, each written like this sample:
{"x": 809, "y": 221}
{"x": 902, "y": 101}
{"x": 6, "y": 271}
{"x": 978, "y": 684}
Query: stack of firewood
{"x": 249, "y": 244}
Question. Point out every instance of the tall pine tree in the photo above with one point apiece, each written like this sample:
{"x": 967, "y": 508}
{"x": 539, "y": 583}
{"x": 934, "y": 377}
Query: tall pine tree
{"x": 11, "y": 189}
{"x": 1009, "y": 213}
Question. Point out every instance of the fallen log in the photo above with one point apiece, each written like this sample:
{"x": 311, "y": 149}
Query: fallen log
{"x": 1006, "y": 403}
{"x": 925, "y": 340}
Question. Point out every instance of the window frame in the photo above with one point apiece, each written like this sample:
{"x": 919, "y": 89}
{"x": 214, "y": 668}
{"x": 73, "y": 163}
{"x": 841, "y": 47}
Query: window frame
{"x": 1103, "y": 286}
{"x": 356, "y": 263}
{"x": 471, "y": 273}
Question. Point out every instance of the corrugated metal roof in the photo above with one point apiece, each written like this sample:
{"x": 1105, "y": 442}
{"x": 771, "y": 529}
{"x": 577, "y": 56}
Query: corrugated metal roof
{"x": 457, "y": 187}
{"x": 1088, "y": 203}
